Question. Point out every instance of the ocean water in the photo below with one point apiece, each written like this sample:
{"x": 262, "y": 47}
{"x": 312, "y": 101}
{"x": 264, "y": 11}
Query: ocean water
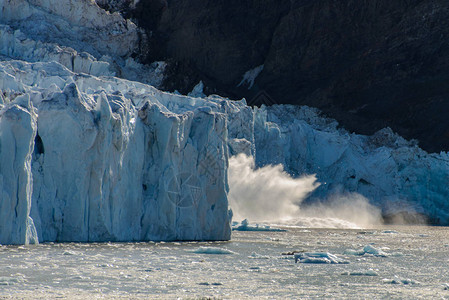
{"x": 415, "y": 265}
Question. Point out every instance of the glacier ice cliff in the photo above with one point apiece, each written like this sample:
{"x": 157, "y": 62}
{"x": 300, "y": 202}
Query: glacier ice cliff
{"x": 87, "y": 158}
{"x": 90, "y": 150}
{"x": 104, "y": 159}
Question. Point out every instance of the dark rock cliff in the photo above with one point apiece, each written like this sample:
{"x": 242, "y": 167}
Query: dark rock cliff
{"x": 367, "y": 63}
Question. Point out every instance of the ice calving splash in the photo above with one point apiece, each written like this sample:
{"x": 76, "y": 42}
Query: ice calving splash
{"x": 269, "y": 194}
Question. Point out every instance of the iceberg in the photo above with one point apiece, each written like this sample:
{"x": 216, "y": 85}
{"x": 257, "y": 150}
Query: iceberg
{"x": 369, "y": 272}
{"x": 400, "y": 280}
{"x": 245, "y": 226}
{"x": 318, "y": 258}
{"x": 368, "y": 249}
{"x": 212, "y": 250}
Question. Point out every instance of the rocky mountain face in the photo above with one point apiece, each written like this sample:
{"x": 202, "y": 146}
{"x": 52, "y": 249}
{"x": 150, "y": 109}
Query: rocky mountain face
{"x": 367, "y": 63}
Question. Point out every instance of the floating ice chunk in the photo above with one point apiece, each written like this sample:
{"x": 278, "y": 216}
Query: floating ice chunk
{"x": 354, "y": 252}
{"x": 423, "y": 235}
{"x": 86, "y": 278}
{"x": 366, "y": 232}
{"x": 213, "y": 283}
{"x": 315, "y": 260}
{"x": 244, "y": 226}
{"x": 68, "y": 252}
{"x": 212, "y": 250}
{"x": 318, "y": 258}
{"x": 369, "y": 272}
{"x": 254, "y": 255}
{"x": 368, "y": 249}
{"x": 446, "y": 287}
{"x": 390, "y": 231}
{"x": 374, "y": 251}
{"x": 11, "y": 280}
{"x": 398, "y": 280}
{"x": 291, "y": 252}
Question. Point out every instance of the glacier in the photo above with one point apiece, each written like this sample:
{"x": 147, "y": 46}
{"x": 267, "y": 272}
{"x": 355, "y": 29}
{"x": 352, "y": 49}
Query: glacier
{"x": 107, "y": 160}
{"x": 91, "y": 150}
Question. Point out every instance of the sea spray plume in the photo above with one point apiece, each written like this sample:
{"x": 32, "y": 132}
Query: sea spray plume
{"x": 267, "y": 193}
{"x": 270, "y": 194}
{"x": 350, "y": 207}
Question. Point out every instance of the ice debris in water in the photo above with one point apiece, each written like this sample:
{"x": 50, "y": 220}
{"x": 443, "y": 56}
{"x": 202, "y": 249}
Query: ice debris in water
{"x": 212, "y": 250}
{"x": 255, "y": 255}
{"x": 390, "y": 231}
{"x": 318, "y": 258}
{"x": 11, "y": 280}
{"x": 368, "y": 249}
{"x": 398, "y": 280}
{"x": 245, "y": 226}
{"x": 213, "y": 283}
{"x": 369, "y": 272}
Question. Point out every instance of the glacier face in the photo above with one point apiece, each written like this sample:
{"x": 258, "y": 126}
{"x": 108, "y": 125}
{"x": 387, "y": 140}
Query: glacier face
{"x": 88, "y": 158}
{"x": 88, "y": 154}
{"x": 108, "y": 160}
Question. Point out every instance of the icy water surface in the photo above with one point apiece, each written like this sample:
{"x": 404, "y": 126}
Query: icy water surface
{"x": 412, "y": 263}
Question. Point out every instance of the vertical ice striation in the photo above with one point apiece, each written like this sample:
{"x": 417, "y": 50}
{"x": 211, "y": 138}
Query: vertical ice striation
{"x": 17, "y": 131}
{"x": 185, "y": 174}
{"x": 106, "y": 170}
{"x": 113, "y": 159}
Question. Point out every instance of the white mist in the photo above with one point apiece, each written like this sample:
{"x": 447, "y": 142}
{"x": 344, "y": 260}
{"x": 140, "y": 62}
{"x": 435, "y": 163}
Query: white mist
{"x": 269, "y": 194}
